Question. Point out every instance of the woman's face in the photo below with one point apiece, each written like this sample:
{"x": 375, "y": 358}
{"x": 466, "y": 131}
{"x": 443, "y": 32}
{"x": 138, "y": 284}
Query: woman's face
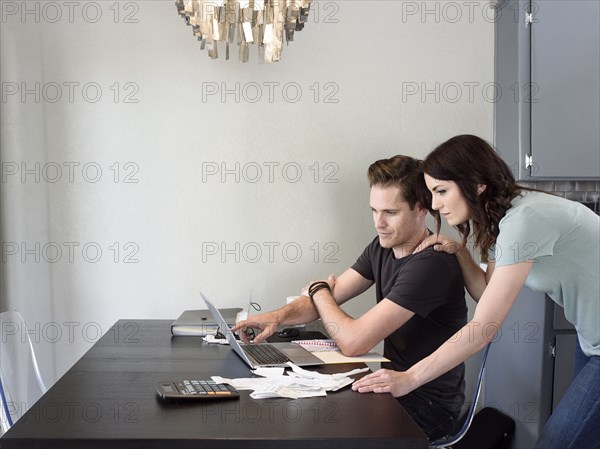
{"x": 448, "y": 200}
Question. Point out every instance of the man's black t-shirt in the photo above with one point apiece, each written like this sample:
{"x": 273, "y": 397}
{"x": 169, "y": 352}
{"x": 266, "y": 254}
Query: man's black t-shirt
{"x": 430, "y": 284}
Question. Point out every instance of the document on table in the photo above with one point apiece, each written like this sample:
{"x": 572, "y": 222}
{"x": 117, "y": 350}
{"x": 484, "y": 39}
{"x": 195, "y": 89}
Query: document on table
{"x": 332, "y": 357}
{"x": 299, "y": 383}
{"x": 329, "y": 352}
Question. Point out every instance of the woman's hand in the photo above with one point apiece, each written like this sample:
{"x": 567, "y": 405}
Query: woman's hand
{"x": 440, "y": 243}
{"x": 397, "y": 383}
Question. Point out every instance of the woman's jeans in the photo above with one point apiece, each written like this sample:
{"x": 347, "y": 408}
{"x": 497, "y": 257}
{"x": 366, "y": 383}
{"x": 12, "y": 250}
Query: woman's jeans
{"x": 574, "y": 424}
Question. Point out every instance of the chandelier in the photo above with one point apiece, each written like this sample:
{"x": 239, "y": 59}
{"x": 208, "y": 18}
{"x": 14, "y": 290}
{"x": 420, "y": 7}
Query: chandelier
{"x": 265, "y": 23}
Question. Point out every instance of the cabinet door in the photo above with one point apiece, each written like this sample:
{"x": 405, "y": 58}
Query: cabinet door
{"x": 518, "y": 375}
{"x": 565, "y": 80}
{"x": 563, "y": 366}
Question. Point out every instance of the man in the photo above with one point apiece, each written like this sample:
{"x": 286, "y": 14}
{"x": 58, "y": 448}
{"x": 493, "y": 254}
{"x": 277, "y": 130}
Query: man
{"x": 420, "y": 297}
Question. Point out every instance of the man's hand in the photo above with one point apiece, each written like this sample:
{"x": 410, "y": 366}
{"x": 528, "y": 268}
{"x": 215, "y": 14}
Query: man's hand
{"x": 440, "y": 243}
{"x": 397, "y": 383}
{"x": 265, "y": 323}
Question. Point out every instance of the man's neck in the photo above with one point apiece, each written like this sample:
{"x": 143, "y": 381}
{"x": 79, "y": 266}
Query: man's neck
{"x": 406, "y": 249}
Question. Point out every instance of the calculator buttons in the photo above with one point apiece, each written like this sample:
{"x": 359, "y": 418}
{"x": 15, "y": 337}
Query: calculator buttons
{"x": 195, "y": 389}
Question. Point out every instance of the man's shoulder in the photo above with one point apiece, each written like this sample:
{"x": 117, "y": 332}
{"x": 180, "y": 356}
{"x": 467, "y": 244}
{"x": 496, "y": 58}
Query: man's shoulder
{"x": 438, "y": 263}
{"x": 374, "y": 248}
{"x": 430, "y": 255}
{"x": 374, "y": 244}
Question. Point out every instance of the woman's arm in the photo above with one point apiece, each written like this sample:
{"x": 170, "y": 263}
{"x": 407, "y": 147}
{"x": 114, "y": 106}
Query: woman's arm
{"x": 474, "y": 277}
{"x": 492, "y": 309}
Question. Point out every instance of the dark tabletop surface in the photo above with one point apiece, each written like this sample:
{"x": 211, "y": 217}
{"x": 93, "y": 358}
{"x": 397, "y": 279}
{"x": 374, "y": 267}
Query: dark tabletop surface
{"x": 107, "y": 400}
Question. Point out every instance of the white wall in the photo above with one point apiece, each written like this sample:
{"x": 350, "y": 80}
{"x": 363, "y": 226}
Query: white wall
{"x": 368, "y": 56}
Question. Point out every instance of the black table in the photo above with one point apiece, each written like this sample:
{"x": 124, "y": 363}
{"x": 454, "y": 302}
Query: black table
{"x": 107, "y": 400}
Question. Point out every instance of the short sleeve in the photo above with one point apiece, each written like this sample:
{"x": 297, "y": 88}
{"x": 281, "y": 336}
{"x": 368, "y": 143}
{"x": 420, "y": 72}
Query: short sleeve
{"x": 524, "y": 235}
{"x": 364, "y": 263}
{"x": 492, "y": 253}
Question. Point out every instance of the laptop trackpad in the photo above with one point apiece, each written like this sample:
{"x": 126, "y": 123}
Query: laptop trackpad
{"x": 293, "y": 353}
{"x": 302, "y": 357}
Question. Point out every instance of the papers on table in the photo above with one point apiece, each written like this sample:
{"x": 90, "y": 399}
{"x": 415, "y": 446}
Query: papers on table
{"x": 326, "y": 350}
{"x": 329, "y": 352}
{"x": 299, "y": 383}
{"x": 332, "y": 357}
{"x": 214, "y": 340}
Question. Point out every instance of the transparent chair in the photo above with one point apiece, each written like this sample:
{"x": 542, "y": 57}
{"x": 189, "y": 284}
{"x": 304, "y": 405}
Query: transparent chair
{"x": 467, "y": 418}
{"x": 21, "y": 383}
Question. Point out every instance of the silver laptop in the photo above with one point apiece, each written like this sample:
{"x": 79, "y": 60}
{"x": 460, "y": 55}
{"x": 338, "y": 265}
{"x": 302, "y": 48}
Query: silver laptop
{"x": 262, "y": 354}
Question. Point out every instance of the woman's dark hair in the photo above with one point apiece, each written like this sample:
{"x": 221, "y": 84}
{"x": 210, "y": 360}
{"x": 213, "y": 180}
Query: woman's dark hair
{"x": 470, "y": 161}
{"x": 403, "y": 172}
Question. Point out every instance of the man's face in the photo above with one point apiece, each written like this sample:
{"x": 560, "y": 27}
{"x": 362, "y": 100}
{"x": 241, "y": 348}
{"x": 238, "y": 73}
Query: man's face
{"x": 396, "y": 224}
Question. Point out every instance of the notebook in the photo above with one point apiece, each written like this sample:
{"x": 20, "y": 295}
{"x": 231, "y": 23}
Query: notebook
{"x": 249, "y": 352}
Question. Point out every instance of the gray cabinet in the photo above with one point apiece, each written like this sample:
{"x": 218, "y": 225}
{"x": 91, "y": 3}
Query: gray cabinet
{"x": 564, "y": 363}
{"x": 565, "y": 341}
{"x": 519, "y": 372}
{"x": 530, "y": 364}
{"x": 548, "y": 68}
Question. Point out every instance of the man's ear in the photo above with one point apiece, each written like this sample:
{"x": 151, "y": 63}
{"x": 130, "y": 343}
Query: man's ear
{"x": 420, "y": 209}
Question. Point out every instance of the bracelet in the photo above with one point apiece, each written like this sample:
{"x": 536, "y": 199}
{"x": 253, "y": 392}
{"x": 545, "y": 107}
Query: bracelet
{"x": 315, "y": 287}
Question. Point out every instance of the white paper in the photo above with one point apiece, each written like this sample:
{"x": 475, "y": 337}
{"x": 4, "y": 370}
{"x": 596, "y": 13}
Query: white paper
{"x": 332, "y": 357}
{"x": 309, "y": 374}
{"x": 211, "y": 339}
{"x": 299, "y": 383}
{"x": 268, "y": 372}
{"x": 275, "y": 391}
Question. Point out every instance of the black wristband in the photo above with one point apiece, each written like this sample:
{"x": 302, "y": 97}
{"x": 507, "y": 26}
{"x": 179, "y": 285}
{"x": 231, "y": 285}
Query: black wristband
{"x": 316, "y": 286}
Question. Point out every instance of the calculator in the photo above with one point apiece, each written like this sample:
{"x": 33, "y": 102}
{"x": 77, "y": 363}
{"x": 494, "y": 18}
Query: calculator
{"x": 195, "y": 390}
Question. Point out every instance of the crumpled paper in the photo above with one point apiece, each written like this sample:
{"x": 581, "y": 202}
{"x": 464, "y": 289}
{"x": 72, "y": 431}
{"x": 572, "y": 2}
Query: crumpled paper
{"x": 298, "y": 383}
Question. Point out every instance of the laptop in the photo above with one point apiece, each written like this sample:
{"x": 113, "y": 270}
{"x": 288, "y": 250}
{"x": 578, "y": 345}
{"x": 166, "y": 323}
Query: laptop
{"x": 262, "y": 354}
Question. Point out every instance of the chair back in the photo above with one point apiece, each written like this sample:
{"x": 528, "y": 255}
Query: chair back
{"x": 21, "y": 383}
{"x": 467, "y": 418}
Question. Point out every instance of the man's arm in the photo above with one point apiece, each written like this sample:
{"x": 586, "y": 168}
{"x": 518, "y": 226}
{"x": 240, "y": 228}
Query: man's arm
{"x": 358, "y": 336}
{"x": 491, "y": 311}
{"x": 349, "y": 285}
{"x": 301, "y": 311}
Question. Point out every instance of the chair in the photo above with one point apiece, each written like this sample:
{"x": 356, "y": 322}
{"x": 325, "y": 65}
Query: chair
{"x": 467, "y": 418}
{"x": 21, "y": 383}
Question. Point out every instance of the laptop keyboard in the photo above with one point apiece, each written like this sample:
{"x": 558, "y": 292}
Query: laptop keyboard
{"x": 266, "y": 354}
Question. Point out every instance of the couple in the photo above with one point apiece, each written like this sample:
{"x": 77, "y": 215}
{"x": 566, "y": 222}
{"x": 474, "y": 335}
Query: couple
{"x": 421, "y": 311}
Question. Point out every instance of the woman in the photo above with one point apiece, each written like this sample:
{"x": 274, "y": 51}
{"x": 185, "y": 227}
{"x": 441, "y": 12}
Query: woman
{"x": 530, "y": 238}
